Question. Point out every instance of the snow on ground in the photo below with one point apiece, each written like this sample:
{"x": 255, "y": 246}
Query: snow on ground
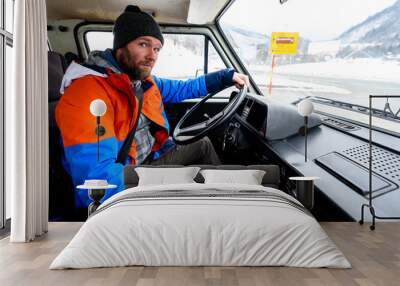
{"x": 324, "y": 47}
{"x": 360, "y": 69}
{"x": 294, "y": 85}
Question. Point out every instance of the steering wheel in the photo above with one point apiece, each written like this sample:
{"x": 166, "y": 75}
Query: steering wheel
{"x": 190, "y": 134}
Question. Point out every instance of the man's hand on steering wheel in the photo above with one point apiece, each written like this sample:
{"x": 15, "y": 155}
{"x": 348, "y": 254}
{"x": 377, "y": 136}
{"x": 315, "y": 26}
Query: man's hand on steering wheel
{"x": 240, "y": 80}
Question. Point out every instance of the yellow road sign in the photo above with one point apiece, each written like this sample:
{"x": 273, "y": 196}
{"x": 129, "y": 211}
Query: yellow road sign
{"x": 283, "y": 43}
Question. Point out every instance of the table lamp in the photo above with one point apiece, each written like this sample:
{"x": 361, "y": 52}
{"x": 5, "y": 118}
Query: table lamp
{"x": 305, "y": 108}
{"x": 98, "y": 108}
{"x": 97, "y": 188}
{"x": 96, "y": 191}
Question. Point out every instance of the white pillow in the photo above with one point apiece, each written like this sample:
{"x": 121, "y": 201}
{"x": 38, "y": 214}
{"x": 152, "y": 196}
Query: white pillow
{"x": 248, "y": 177}
{"x": 163, "y": 176}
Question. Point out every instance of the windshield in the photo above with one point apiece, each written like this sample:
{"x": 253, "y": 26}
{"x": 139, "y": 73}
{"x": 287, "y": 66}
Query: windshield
{"x": 345, "y": 50}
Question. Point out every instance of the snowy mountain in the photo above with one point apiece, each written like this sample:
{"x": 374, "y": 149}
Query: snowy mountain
{"x": 248, "y": 44}
{"x": 377, "y": 36}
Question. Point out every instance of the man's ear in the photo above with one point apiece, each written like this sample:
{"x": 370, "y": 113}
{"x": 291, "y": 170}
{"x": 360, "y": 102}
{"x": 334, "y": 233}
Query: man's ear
{"x": 117, "y": 54}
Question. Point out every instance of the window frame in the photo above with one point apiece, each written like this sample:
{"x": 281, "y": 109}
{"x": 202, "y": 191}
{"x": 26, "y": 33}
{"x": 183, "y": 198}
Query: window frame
{"x": 232, "y": 50}
{"x": 86, "y": 27}
{"x": 6, "y": 39}
{"x": 209, "y": 33}
{"x": 206, "y": 51}
{"x": 218, "y": 39}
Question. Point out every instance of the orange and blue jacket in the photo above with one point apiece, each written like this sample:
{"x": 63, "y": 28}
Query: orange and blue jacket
{"x": 82, "y": 84}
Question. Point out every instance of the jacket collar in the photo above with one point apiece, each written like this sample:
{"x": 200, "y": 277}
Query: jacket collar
{"x": 102, "y": 64}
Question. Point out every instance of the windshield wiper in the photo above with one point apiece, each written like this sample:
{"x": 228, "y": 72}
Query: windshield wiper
{"x": 386, "y": 113}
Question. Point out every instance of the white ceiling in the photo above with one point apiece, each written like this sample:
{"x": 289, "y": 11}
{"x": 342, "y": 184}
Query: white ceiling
{"x": 202, "y": 12}
{"x": 166, "y": 11}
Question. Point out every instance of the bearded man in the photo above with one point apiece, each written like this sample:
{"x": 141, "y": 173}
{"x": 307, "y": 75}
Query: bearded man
{"x": 117, "y": 76}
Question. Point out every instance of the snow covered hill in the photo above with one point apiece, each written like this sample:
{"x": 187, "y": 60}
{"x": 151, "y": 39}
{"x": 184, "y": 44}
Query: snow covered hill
{"x": 377, "y": 36}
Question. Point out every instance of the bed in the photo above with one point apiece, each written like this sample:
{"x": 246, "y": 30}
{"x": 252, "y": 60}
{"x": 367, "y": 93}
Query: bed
{"x": 201, "y": 224}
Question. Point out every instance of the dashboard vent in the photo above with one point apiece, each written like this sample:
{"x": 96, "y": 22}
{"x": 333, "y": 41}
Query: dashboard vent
{"x": 339, "y": 124}
{"x": 384, "y": 162}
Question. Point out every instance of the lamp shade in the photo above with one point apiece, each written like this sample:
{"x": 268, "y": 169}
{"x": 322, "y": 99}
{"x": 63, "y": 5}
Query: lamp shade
{"x": 98, "y": 107}
{"x": 305, "y": 107}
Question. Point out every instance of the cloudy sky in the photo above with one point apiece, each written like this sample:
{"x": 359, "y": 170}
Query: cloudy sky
{"x": 314, "y": 19}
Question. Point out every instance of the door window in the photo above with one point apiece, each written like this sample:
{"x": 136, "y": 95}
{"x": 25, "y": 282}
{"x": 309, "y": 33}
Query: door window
{"x": 9, "y": 8}
{"x": 8, "y": 90}
{"x": 182, "y": 56}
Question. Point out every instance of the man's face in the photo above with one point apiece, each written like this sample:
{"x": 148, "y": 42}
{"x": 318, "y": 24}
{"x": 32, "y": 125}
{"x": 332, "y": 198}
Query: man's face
{"x": 139, "y": 56}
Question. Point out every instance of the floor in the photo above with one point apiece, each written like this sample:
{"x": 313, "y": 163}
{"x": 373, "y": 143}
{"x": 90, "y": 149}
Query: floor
{"x": 374, "y": 255}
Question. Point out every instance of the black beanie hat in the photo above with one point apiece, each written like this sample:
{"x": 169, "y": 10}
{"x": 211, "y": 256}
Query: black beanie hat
{"x": 132, "y": 24}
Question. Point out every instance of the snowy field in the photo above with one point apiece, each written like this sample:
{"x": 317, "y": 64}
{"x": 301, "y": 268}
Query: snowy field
{"x": 281, "y": 82}
{"x": 360, "y": 69}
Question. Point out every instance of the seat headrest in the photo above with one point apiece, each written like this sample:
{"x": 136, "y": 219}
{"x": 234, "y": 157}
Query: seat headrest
{"x": 56, "y": 68}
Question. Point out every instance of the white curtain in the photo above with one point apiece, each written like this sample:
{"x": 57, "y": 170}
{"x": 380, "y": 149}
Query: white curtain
{"x": 27, "y": 124}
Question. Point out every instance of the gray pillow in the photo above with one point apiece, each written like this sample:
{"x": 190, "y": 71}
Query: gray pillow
{"x": 248, "y": 177}
{"x": 164, "y": 176}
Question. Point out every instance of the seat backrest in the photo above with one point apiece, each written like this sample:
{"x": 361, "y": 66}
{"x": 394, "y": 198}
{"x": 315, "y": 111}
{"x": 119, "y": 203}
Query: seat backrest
{"x": 61, "y": 201}
{"x": 56, "y": 70}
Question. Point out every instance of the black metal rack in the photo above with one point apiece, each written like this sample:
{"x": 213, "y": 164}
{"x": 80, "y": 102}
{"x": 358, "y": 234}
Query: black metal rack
{"x": 369, "y": 205}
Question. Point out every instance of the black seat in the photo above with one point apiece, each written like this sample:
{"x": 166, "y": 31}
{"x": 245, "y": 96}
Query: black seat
{"x": 61, "y": 191}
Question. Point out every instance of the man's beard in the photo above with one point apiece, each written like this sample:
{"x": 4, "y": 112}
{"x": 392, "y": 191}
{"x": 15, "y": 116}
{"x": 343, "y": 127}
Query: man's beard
{"x": 134, "y": 72}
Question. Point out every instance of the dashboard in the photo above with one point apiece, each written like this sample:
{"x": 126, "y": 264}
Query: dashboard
{"x": 255, "y": 114}
{"x": 338, "y": 153}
